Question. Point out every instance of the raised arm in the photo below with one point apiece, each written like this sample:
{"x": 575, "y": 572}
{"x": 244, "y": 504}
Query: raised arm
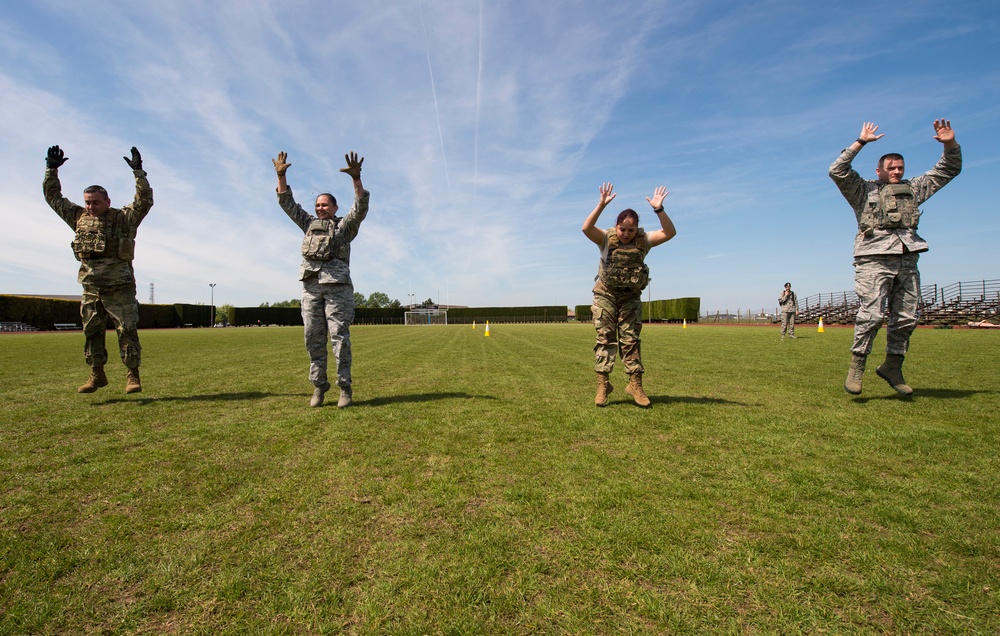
{"x": 143, "y": 193}
{"x": 281, "y": 166}
{"x": 667, "y": 230}
{"x": 353, "y": 169}
{"x": 848, "y": 181}
{"x": 66, "y": 209}
{"x": 868, "y": 130}
{"x": 590, "y": 229}
{"x": 944, "y": 134}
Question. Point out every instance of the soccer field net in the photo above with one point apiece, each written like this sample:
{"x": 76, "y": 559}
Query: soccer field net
{"x": 427, "y": 317}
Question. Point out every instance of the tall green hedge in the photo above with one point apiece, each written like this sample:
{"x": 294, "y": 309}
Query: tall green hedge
{"x": 41, "y": 313}
{"x": 671, "y": 310}
{"x": 468, "y": 315}
{"x": 248, "y": 316}
{"x": 45, "y": 313}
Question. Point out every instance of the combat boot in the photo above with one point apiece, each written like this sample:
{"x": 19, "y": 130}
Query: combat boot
{"x": 634, "y": 389}
{"x": 318, "y": 393}
{"x": 892, "y": 372}
{"x": 346, "y": 397}
{"x": 855, "y": 374}
{"x": 604, "y": 389}
{"x": 97, "y": 380}
{"x": 132, "y": 384}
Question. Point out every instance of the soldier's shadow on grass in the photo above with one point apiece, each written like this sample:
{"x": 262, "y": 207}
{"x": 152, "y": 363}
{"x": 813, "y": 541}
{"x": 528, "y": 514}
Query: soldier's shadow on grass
{"x": 214, "y": 397}
{"x": 420, "y": 397}
{"x": 258, "y": 395}
{"x": 919, "y": 394}
{"x": 684, "y": 399}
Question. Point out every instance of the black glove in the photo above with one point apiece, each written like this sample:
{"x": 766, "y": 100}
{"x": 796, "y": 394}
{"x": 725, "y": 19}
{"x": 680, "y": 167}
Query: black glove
{"x": 55, "y": 158}
{"x": 136, "y": 161}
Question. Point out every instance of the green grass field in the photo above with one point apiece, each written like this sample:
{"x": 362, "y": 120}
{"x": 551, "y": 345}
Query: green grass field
{"x": 475, "y": 489}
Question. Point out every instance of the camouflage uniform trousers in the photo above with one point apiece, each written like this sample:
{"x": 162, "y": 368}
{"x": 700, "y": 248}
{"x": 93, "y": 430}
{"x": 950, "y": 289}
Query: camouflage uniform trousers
{"x": 886, "y": 284}
{"x": 119, "y": 303}
{"x": 618, "y": 320}
{"x": 787, "y": 323}
{"x": 328, "y": 311}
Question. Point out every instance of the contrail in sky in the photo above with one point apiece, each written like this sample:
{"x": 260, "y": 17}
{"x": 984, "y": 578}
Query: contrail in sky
{"x": 437, "y": 112}
{"x": 479, "y": 92}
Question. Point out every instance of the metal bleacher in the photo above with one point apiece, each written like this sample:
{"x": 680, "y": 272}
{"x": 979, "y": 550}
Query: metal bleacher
{"x": 16, "y": 326}
{"x": 957, "y": 303}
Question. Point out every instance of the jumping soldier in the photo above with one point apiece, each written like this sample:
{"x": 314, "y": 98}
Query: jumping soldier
{"x": 105, "y": 246}
{"x": 621, "y": 277}
{"x": 328, "y": 292}
{"x": 886, "y": 248}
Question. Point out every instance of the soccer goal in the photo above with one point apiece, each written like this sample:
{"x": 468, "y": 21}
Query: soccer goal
{"x": 427, "y": 317}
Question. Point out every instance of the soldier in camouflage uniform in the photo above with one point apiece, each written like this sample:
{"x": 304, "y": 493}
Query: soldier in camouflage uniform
{"x": 887, "y": 247}
{"x": 621, "y": 277}
{"x": 789, "y": 304}
{"x": 105, "y": 246}
{"x": 328, "y": 293}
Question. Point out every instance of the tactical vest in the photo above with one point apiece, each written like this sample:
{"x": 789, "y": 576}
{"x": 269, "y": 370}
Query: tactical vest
{"x": 102, "y": 237}
{"x": 320, "y": 242}
{"x": 624, "y": 269}
{"x": 891, "y": 206}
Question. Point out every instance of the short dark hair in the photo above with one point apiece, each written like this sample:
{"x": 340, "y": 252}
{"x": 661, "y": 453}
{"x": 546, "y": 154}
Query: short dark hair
{"x": 788, "y": 284}
{"x": 627, "y": 213}
{"x": 891, "y": 155}
{"x": 95, "y": 189}
{"x": 333, "y": 199}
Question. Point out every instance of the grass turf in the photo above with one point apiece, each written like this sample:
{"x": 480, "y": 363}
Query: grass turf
{"x": 474, "y": 487}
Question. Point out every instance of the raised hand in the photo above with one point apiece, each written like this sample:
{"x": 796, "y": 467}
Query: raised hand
{"x": 353, "y": 165}
{"x": 659, "y": 195}
{"x": 868, "y": 132}
{"x": 55, "y": 158}
{"x": 944, "y": 132}
{"x": 136, "y": 161}
{"x": 281, "y": 164}
{"x": 606, "y": 193}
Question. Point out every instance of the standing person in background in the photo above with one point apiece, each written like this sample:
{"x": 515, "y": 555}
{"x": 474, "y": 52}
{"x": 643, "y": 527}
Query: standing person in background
{"x": 327, "y": 289}
{"x": 789, "y": 304}
{"x": 621, "y": 277}
{"x": 105, "y": 246}
{"x": 886, "y": 248}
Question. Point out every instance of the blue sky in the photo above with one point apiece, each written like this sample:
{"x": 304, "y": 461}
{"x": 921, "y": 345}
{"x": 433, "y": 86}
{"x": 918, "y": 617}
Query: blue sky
{"x": 487, "y": 128}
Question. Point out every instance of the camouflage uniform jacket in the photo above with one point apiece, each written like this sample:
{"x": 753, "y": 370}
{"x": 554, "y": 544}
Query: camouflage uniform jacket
{"x": 859, "y": 192}
{"x": 789, "y": 302}
{"x": 337, "y": 269}
{"x": 121, "y": 224}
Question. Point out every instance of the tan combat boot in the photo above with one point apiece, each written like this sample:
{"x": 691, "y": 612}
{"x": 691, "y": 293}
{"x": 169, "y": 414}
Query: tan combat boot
{"x": 855, "y": 374}
{"x": 132, "y": 384}
{"x": 96, "y": 381}
{"x": 604, "y": 389}
{"x": 318, "y": 393}
{"x": 346, "y": 397}
{"x": 634, "y": 389}
{"x": 892, "y": 372}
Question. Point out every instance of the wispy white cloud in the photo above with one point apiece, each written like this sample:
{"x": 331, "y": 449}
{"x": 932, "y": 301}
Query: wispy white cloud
{"x": 481, "y": 180}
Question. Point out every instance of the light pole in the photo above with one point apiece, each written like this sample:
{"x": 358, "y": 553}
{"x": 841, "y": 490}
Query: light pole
{"x": 212, "y": 312}
{"x": 411, "y": 300}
